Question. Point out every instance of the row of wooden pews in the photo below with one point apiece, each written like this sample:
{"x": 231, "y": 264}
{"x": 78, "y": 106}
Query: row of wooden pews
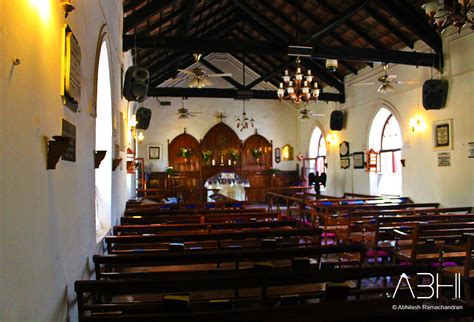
{"x": 241, "y": 263}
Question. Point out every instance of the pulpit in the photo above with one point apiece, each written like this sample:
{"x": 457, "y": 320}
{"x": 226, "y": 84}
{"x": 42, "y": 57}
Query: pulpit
{"x": 227, "y": 184}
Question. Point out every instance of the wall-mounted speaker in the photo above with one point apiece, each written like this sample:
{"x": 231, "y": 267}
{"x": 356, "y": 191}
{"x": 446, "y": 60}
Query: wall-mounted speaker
{"x": 136, "y": 82}
{"x": 435, "y": 94}
{"x": 337, "y": 120}
{"x": 143, "y": 118}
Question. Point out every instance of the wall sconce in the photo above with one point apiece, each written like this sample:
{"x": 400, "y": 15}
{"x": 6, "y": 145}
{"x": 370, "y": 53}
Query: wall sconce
{"x": 56, "y": 150}
{"x": 98, "y": 157}
{"x": 331, "y": 138}
{"x": 417, "y": 124}
{"x": 133, "y": 127}
{"x": 67, "y": 7}
{"x": 140, "y": 137}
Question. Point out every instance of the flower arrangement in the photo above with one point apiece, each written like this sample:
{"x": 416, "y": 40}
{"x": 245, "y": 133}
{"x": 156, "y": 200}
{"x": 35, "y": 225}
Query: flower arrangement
{"x": 257, "y": 152}
{"x": 169, "y": 171}
{"x": 206, "y": 155}
{"x": 185, "y": 152}
{"x": 234, "y": 155}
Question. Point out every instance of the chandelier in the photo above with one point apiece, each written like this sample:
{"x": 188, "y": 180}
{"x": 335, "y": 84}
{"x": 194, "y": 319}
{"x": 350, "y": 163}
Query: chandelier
{"x": 244, "y": 122}
{"x": 299, "y": 88}
{"x": 460, "y": 15}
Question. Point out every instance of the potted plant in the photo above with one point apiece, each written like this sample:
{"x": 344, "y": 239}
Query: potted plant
{"x": 206, "y": 155}
{"x": 234, "y": 155}
{"x": 169, "y": 171}
{"x": 257, "y": 152}
{"x": 185, "y": 152}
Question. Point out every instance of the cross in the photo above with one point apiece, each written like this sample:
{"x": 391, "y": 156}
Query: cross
{"x": 220, "y": 116}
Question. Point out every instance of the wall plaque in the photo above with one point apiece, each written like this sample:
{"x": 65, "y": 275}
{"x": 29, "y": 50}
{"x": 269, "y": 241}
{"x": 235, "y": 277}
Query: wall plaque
{"x": 277, "y": 155}
{"x": 71, "y": 70}
{"x": 69, "y": 130}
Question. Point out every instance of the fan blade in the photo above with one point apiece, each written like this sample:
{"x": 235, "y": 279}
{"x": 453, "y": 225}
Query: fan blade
{"x": 407, "y": 82}
{"x": 186, "y": 71}
{"x": 220, "y": 75}
{"x": 313, "y": 114}
{"x": 391, "y": 78}
{"x": 363, "y": 84}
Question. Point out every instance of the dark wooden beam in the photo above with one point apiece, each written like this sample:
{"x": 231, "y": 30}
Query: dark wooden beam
{"x": 270, "y": 74}
{"x": 160, "y": 22}
{"x": 186, "y": 23}
{"x": 188, "y": 44}
{"x": 131, "y": 4}
{"x": 390, "y": 27}
{"x": 356, "y": 28}
{"x": 403, "y": 13}
{"x": 316, "y": 20}
{"x": 263, "y": 20}
{"x": 321, "y": 31}
{"x": 144, "y": 13}
{"x": 226, "y": 93}
{"x": 218, "y": 30}
{"x": 318, "y": 69}
{"x": 230, "y": 80}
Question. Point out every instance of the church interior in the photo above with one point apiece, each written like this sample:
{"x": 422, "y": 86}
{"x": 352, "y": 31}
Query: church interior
{"x": 211, "y": 160}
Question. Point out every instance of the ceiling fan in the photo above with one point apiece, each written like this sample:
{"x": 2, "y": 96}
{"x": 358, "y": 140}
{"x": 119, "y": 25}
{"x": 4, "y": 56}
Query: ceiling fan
{"x": 305, "y": 114}
{"x": 199, "y": 75}
{"x": 184, "y": 113}
{"x": 386, "y": 81}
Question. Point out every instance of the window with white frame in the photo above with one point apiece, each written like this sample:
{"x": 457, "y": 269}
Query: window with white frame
{"x": 385, "y": 137}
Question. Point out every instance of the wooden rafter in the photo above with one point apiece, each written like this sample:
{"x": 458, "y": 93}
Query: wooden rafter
{"x": 144, "y": 13}
{"x": 226, "y": 93}
{"x": 190, "y": 44}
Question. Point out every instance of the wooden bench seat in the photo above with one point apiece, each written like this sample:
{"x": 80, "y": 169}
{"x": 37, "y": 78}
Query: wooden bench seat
{"x": 209, "y": 218}
{"x": 104, "y": 292}
{"x": 157, "y": 228}
{"x": 150, "y": 241}
{"x": 106, "y": 264}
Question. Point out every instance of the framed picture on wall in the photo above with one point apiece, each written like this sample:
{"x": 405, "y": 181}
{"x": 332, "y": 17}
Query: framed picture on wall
{"x": 154, "y": 152}
{"x": 443, "y": 135}
{"x": 345, "y": 163}
{"x": 358, "y": 160}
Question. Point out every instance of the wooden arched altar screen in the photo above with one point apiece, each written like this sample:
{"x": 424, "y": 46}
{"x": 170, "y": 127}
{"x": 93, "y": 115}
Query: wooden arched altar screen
{"x": 226, "y": 149}
{"x": 184, "y": 163}
{"x": 256, "y": 153}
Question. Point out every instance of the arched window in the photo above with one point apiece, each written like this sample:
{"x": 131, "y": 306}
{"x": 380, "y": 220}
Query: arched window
{"x": 103, "y": 141}
{"x": 386, "y": 138}
{"x": 317, "y": 153}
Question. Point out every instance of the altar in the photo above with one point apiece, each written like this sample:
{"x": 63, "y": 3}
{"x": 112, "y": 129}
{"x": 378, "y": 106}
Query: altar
{"x": 227, "y": 184}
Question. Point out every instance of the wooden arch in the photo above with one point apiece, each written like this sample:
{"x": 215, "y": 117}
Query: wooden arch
{"x": 180, "y": 163}
{"x": 249, "y": 160}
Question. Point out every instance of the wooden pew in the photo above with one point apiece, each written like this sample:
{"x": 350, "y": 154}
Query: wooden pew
{"x": 382, "y": 222}
{"x": 216, "y": 237}
{"x": 465, "y": 271}
{"x": 111, "y": 266}
{"x": 152, "y": 211}
{"x": 157, "y": 228}
{"x": 425, "y": 239}
{"x": 339, "y": 215}
{"x": 102, "y": 306}
{"x": 186, "y": 205}
{"x": 209, "y": 218}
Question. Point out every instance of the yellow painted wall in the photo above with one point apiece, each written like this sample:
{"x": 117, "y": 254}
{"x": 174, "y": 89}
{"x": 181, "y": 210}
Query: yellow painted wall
{"x": 47, "y": 224}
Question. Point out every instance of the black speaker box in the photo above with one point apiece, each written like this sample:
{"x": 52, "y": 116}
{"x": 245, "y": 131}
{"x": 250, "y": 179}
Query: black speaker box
{"x": 143, "y": 118}
{"x": 136, "y": 82}
{"x": 435, "y": 94}
{"x": 337, "y": 120}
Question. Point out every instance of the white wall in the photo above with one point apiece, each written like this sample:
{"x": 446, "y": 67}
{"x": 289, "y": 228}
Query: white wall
{"x": 47, "y": 228}
{"x": 274, "y": 120}
{"x": 423, "y": 180}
